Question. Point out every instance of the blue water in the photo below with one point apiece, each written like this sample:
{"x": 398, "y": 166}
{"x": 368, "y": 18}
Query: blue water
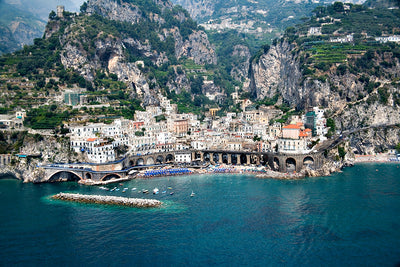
{"x": 351, "y": 219}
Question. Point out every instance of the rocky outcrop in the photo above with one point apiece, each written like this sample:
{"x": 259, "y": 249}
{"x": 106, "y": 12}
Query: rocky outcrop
{"x": 241, "y": 62}
{"x": 374, "y": 140}
{"x": 113, "y": 52}
{"x": 197, "y": 9}
{"x": 197, "y": 47}
{"x": 113, "y": 10}
{"x": 277, "y": 71}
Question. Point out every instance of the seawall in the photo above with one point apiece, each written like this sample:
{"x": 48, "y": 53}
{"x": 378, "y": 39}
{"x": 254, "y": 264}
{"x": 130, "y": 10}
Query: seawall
{"x": 109, "y": 200}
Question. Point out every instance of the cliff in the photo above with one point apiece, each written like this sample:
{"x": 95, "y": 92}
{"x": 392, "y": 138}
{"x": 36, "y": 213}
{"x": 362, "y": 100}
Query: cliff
{"x": 126, "y": 39}
{"x": 356, "y": 81}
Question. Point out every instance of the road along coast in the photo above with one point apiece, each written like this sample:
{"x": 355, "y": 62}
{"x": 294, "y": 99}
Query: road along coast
{"x": 108, "y": 200}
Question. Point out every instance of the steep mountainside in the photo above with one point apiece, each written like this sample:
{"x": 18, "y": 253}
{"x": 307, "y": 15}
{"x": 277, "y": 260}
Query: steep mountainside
{"x": 255, "y": 17}
{"x": 17, "y": 28}
{"x": 116, "y": 54}
{"x": 336, "y": 61}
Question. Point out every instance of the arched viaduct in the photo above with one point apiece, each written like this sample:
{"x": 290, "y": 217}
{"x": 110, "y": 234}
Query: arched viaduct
{"x": 104, "y": 172}
{"x": 276, "y": 161}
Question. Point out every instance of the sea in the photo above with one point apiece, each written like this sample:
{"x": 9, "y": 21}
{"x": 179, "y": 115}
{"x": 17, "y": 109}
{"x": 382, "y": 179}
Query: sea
{"x": 351, "y": 218}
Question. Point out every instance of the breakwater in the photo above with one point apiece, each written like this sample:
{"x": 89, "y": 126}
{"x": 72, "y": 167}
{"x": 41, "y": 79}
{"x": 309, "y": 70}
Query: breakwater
{"x": 109, "y": 200}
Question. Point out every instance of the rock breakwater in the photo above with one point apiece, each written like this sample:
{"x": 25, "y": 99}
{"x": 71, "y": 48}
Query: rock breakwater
{"x": 109, "y": 200}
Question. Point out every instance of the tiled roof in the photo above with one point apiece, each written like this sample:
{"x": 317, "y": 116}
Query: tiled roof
{"x": 291, "y": 126}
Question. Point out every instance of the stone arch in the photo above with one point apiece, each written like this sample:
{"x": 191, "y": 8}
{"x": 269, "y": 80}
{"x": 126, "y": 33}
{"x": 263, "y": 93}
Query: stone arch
{"x": 160, "y": 159}
{"x": 243, "y": 159}
{"x": 308, "y": 162}
{"x": 234, "y": 159}
{"x": 64, "y": 176}
{"x": 206, "y": 157}
{"x": 225, "y": 158}
{"x": 216, "y": 157}
{"x": 253, "y": 159}
{"x": 290, "y": 164}
{"x": 140, "y": 162}
{"x": 197, "y": 155}
{"x": 8, "y": 176}
{"x": 264, "y": 159}
{"x": 88, "y": 176}
{"x": 169, "y": 158}
{"x": 150, "y": 161}
{"x": 110, "y": 177}
{"x": 275, "y": 165}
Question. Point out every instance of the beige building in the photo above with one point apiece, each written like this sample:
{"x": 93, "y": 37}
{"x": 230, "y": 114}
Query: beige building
{"x": 181, "y": 127}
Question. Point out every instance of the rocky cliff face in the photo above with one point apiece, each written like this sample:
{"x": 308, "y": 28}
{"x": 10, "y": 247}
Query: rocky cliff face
{"x": 354, "y": 101}
{"x": 197, "y": 8}
{"x": 277, "y": 71}
{"x": 112, "y": 51}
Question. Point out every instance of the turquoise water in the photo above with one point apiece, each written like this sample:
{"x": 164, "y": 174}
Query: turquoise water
{"x": 351, "y": 218}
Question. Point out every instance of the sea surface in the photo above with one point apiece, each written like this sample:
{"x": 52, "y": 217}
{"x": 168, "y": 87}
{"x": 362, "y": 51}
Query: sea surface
{"x": 348, "y": 219}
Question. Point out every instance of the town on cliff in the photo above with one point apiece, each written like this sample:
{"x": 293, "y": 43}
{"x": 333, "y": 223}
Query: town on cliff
{"x": 252, "y": 140}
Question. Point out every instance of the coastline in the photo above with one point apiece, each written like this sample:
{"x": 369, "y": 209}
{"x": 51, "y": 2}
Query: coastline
{"x": 378, "y": 158}
{"x": 258, "y": 172}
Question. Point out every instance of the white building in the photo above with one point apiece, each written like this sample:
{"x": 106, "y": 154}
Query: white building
{"x": 98, "y": 150}
{"x": 183, "y": 157}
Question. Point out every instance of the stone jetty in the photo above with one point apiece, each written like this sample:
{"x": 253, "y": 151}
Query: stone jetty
{"x": 109, "y": 200}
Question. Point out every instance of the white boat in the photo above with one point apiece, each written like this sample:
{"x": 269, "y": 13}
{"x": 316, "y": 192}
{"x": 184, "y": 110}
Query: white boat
{"x": 192, "y": 194}
{"x": 155, "y": 191}
{"x": 133, "y": 189}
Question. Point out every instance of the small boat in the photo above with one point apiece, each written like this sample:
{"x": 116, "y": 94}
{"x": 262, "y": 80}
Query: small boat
{"x": 103, "y": 188}
{"x": 169, "y": 187}
{"x": 133, "y": 189}
{"x": 164, "y": 192}
{"x": 155, "y": 191}
{"x": 121, "y": 184}
{"x": 113, "y": 189}
{"x": 117, "y": 189}
{"x": 192, "y": 194}
{"x": 171, "y": 193}
{"x": 126, "y": 188}
{"x": 145, "y": 191}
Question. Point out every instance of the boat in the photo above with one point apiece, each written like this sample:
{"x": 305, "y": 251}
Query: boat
{"x": 171, "y": 193}
{"x": 169, "y": 187}
{"x": 192, "y": 194}
{"x": 155, "y": 191}
{"x": 164, "y": 192}
{"x": 145, "y": 191}
{"x": 133, "y": 189}
{"x": 126, "y": 188}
